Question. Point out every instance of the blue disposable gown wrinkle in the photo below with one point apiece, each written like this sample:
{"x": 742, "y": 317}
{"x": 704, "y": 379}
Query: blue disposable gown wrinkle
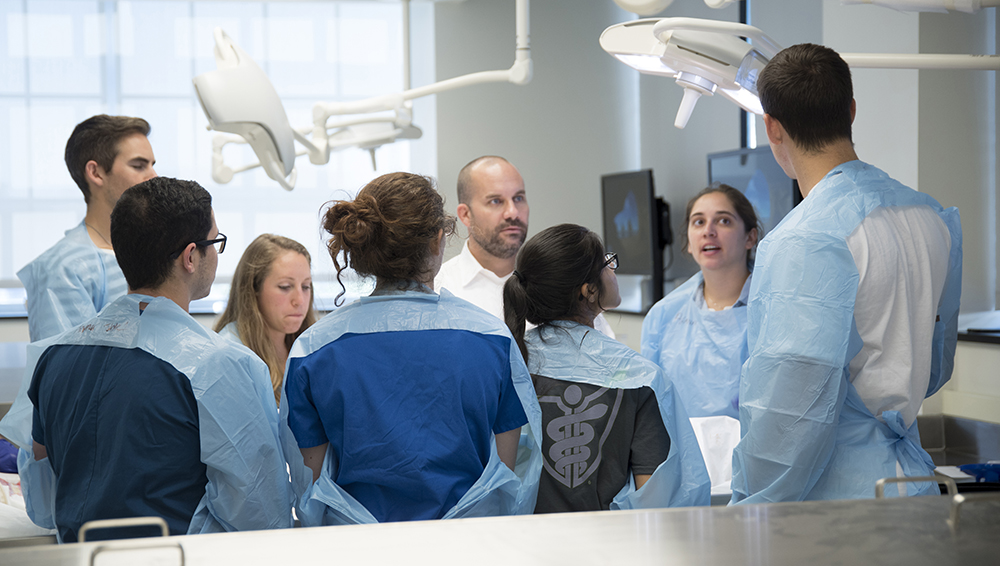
{"x": 702, "y": 351}
{"x": 69, "y": 284}
{"x": 248, "y": 486}
{"x": 806, "y": 433}
{"x": 574, "y": 352}
{"x": 498, "y": 491}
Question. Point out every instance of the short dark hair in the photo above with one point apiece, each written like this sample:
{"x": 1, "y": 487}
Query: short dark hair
{"x": 387, "y": 231}
{"x": 465, "y": 176}
{"x": 550, "y": 269}
{"x": 808, "y": 89}
{"x": 741, "y": 204}
{"x": 154, "y": 219}
{"x": 96, "y": 139}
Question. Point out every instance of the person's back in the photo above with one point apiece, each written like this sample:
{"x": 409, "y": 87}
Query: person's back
{"x": 405, "y": 404}
{"x": 143, "y": 411}
{"x": 902, "y": 258}
{"x": 596, "y": 437}
{"x": 408, "y": 390}
{"x": 853, "y": 308}
{"x": 615, "y": 434}
{"x": 118, "y": 397}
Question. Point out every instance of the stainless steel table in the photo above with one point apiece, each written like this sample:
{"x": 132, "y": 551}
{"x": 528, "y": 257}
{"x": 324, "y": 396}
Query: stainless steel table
{"x": 910, "y": 531}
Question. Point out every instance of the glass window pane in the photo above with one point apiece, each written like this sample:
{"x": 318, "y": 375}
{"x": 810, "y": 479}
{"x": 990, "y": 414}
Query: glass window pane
{"x": 13, "y": 48}
{"x": 65, "y": 42}
{"x": 155, "y": 45}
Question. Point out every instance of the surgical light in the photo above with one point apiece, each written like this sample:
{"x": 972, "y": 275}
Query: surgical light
{"x": 706, "y": 57}
{"x": 240, "y": 101}
{"x": 644, "y": 7}
{"x": 703, "y": 63}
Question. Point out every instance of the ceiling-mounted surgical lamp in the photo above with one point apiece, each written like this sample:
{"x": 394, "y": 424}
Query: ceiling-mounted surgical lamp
{"x": 706, "y": 57}
{"x": 239, "y": 99}
{"x": 702, "y": 62}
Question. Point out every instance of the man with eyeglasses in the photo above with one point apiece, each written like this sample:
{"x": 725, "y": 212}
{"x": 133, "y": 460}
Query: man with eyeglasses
{"x": 74, "y": 279}
{"x": 142, "y": 411}
{"x": 493, "y": 206}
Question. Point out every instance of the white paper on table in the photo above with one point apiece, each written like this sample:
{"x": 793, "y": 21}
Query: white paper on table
{"x": 717, "y": 437}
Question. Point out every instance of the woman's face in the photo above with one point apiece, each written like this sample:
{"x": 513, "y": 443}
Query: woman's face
{"x": 284, "y": 295}
{"x": 610, "y": 297}
{"x": 717, "y": 237}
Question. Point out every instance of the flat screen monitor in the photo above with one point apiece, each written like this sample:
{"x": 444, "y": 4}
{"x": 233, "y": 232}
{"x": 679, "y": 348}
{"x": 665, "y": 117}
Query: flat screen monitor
{"x": 634, "y": 225}
{"x": 756, "y": 174}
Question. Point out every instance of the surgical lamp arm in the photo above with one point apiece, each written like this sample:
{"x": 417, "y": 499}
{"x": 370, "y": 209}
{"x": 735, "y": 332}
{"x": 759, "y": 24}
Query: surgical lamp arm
{"x": 921, "y": 61}
{"x": 519, "y": 73}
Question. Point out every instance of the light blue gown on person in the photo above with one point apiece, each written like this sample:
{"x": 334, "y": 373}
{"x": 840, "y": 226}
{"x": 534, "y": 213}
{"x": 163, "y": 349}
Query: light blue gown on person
{"x": 574, "y": 352}
{"x": 806, "y": 433}
{"x": 700, "y": 349}
{"x": 248, "y": 486}
{"x": 69, "y": 283}
{"x": 498, "y": 491}
{"x": 230, "y": 332}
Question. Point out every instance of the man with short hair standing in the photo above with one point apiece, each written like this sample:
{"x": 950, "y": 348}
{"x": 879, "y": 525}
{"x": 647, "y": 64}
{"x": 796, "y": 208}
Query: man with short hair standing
{"x": 142, "y": 411}
{"x": 853, "y": 310}
{"x": 74, "y": 279}
{"x": 493, "y": 206}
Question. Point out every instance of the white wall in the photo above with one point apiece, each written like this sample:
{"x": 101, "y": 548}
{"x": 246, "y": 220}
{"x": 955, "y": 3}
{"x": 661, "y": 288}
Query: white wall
{"x": 575, "y": 121}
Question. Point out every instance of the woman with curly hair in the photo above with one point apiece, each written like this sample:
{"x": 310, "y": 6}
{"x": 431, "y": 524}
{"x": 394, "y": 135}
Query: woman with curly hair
{"x": 405, "y": 404}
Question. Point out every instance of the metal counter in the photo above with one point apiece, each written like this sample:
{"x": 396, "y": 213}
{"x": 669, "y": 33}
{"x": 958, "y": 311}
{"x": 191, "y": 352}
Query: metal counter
{"x": 910, "y": 531}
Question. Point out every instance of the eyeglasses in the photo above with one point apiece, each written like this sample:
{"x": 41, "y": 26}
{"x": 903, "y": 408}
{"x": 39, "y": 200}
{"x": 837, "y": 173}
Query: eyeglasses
{"x": 204, "y": 244}
{"x": 611, "y": 260}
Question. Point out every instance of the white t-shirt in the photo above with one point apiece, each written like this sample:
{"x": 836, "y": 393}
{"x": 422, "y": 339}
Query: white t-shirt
{"x": 467, "y": 279}
{"x": 902, "y": 258}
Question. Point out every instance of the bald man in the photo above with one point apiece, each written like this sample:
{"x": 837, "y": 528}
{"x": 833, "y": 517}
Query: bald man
{"x": 493, "y": 206}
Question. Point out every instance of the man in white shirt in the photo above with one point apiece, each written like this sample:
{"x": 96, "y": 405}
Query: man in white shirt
{"x": 493, "y": 206}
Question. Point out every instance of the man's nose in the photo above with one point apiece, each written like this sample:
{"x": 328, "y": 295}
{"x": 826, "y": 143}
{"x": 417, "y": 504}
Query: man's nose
{"x": 510, "y": 210}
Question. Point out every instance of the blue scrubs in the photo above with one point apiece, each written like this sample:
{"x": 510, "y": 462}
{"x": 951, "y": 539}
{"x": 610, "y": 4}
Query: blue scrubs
{"x": 806, "y": 433}
{"x": 197, "y": 445}
{"x": 573, "y": 352}
{"x": 69, "y": 283}
{"x": 409, "y": 390}
{"x": 702, "y": 350}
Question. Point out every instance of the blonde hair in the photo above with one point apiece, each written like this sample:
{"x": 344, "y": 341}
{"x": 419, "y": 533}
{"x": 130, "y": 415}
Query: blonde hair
{"x": 244, "y": 308}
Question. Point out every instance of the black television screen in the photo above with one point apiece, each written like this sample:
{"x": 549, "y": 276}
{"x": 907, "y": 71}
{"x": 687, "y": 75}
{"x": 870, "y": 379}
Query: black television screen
{"x": 756, "y": 174}
{"x": 632, "y": 229}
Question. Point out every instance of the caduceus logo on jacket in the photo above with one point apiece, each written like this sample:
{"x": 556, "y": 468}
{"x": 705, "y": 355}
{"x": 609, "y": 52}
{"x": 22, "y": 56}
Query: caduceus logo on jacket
{"x": 575, "y": 452}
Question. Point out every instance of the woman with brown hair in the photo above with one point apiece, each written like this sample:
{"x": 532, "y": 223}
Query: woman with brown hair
{"x": 270, "y": 301}
{"x": 406, "y": 404}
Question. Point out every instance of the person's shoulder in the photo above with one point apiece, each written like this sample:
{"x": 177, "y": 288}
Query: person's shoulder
{"x": 66, "y": 255}
{"x": 677, "y": 298}
{"x": 477, "y": 318}
{"x": 454, "y": 273}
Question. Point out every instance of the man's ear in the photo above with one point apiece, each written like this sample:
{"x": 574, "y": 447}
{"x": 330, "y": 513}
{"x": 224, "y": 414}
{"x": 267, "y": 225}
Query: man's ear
{"x": 464, "y": 214}
{"x": 775, "y": 132}
{"x": 94, "y": 173}
{"x": 188, "y": 263}
{"x": 854, "y": 109}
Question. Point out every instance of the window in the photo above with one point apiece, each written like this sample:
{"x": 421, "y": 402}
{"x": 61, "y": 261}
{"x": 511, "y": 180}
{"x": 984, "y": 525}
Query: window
{"x": 65, "y": 60}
